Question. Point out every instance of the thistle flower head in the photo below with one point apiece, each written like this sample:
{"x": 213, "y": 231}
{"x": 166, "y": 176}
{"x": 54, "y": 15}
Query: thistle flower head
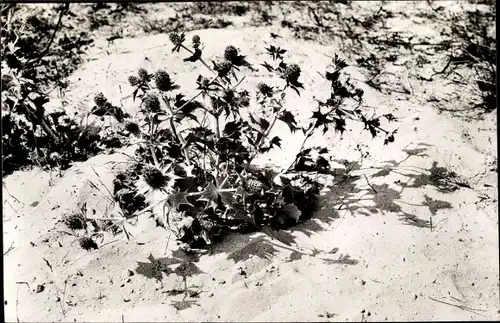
{"x": 163, "y": 82}
{"x": 292, "y": 73}
{"x": 100, "y": 100}
{"x": 75, "y": 222}
{"x": 224, "y": 68}
{"x": 87, "y": 243}
{"x": 175, "y": 38}
{"x": 151, "y": 103}
{"x": 231, "y": 53}
{"x": 133, "y": 128}
{"x": 134, "y": 80}
{"x": 143, "y": 75}
{"x": 244, "y": 98}
{"x": 264, "y": 89}
{"x": 156, "y": 179}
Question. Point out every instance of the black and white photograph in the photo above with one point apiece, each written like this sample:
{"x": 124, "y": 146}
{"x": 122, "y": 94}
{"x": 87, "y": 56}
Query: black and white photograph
{"x": 250, "y": 161}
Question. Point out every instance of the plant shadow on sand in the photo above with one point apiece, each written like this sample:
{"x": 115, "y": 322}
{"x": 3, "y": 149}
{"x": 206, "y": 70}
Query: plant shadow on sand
{"x": 185, "y": 267}
{"x": 350, "y": 194}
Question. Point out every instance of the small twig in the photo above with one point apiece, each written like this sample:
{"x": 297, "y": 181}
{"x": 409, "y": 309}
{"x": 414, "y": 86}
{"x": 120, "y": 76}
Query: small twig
{"x": 238, "y": 84}
{"x": 48, "y": 264}
{"x": 17, "y": 304}
{"x": 99, "y": 179}
{"x": 15, "y": 198}
{"x": 168, "y": 240}
{"x": 10, "y": 249}
{"x": 61, "y": 299}
{"x": 17, "y": 299}
{"x": 367, "y": 182}
{"x": 110, "y": 199}
{"x": 26, "y": 283}
{"x": 109, "y": 242}
{"x": 444, "y": 69}
{"x": 462, "y": 307}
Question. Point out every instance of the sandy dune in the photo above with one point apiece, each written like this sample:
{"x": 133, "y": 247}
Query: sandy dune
{"x": 366, "y": 255}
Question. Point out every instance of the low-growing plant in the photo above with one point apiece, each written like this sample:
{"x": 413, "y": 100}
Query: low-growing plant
{"x": 39, "y": 52}
{"x": 30, "y": 136}
{"x": 194, "y": 161}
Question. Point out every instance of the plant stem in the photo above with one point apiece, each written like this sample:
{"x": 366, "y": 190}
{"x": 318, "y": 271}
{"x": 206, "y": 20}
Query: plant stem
{"x": 238, "y": 84}
{"x": 217, "y": 134}
{"x": 174, "y": 130}
{"x": 217, "y": 126}
{"x": 308, "y": 135}
{"x": 151, "y": 145}
{"x": 103, "y": 219}
{"x": 172, "y": 125}
{"x": 194, "y": 97}
{"x": 151, "y": 148}
{"x": 259, "y": 143}
{"x": 56, "y": 29}
{"x": 200, "y": 59}
{"x": 222, "y": 190}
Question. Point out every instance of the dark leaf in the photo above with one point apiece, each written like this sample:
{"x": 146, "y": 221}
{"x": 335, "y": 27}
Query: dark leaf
{"x": 339, "y": 63}
{"x": 340, "y": 125}
{"x": 134, "y": 95}
{"x": 264, "y": 124}
{"x": 196, "y": 56}
{"x": 232, "y": 129}
{"x": 321, "y": 120}
{"x": 276, "y": 141}
{"x": 288, "y": 118}
{"x": 390, "y": 117}
{"x": 333, "y": 77}
{"x": 373, "y": 131}
{"x": 285, "y": 180}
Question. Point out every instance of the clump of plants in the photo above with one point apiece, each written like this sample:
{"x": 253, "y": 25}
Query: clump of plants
{"x": 476, "y": 50}
{"x": 193, "y": 165}
{"x": 31, "y": 136}
{"x": 39, "y": 52}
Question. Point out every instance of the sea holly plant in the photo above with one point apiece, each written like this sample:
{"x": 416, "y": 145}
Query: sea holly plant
{"x": 193, "y": 165}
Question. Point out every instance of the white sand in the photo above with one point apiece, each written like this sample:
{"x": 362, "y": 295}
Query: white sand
{"x": 395, "y": 271}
